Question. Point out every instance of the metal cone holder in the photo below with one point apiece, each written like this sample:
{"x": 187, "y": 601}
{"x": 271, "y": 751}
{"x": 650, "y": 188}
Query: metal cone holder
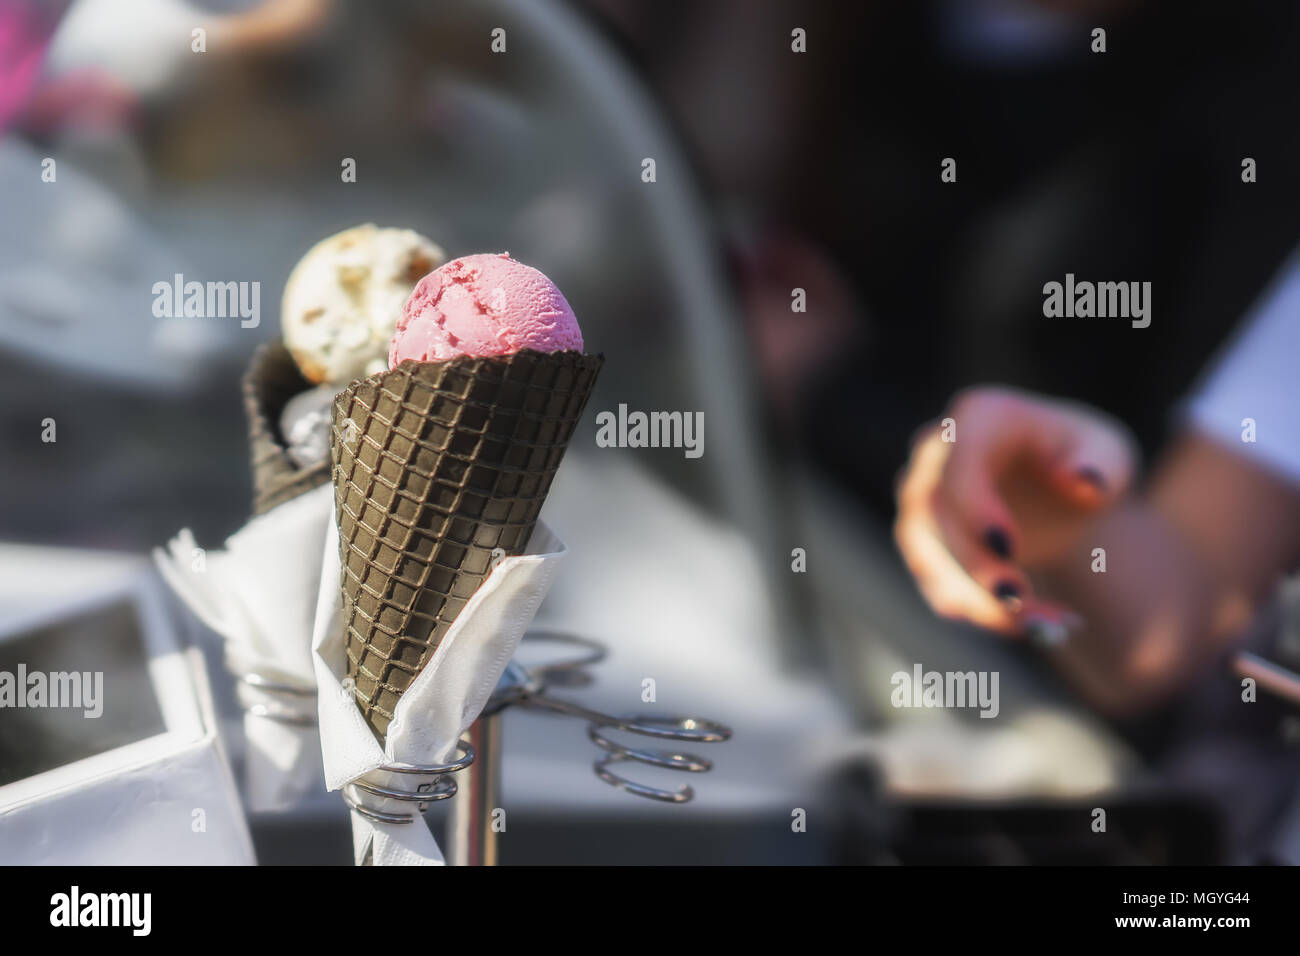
{"x": 441, "y": 787}
{"x": 471, "y": 838}
{"x": 275, "y": 698}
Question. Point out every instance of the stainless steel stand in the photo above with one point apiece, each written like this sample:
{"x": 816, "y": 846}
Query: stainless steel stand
{"x": 472, "y": 779}
{"x": 471, "y": 833}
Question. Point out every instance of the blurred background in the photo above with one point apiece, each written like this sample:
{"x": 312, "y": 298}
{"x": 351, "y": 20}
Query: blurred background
{"x": 774, "y": 170}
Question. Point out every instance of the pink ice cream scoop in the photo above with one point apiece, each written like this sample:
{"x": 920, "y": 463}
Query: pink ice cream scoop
{"x": 483, "y": 305}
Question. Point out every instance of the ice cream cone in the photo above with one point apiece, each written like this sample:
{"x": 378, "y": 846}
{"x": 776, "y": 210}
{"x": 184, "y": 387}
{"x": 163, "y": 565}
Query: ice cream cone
{"x": 436, "y": 466}
{"x": 271, "y": 380}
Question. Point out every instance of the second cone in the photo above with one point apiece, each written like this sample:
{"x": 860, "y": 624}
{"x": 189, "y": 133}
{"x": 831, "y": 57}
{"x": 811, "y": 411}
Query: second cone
{"x": 436, "y": 465}
{"x": 271, "y": 380}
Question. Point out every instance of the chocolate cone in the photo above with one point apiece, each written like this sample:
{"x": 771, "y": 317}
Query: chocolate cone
{"x": 436, "y": 464}
{"x": 271, "y": 380}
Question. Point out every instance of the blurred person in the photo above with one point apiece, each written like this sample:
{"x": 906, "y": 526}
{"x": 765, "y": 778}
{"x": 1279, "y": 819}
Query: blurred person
{"x": 111, "y": 55}
{"x": 1123, "y": 164}
{"x": 25, "y": 31}
{"x": 1120, "y": 165}
{"x": 1002, "y": 507}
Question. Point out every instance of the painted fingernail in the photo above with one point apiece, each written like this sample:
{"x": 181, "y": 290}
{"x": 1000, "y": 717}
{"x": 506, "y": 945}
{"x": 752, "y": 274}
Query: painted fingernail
{"x": 1009, "y": 594}
{"x": 1093, "y": 477}
{"x": 997, "y": 541}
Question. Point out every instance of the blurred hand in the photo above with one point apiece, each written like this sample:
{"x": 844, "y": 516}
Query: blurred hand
{"x": 1005, "y": 487}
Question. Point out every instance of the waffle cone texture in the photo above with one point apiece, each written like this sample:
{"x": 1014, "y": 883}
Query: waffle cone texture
{"x": 436, "y": 465}
{"x": 271, "y": 380}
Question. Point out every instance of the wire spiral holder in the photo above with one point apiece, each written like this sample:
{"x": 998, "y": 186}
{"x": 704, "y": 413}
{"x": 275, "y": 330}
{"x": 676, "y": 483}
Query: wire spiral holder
{"x": 274, "y": 698}
{"x": 471, "y": 839}
{"x": 440, "y": 786}
{"x": 529, "y": 688}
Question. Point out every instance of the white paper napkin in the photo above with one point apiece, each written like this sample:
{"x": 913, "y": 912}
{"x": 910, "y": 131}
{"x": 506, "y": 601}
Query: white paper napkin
{"x": 439, "y": 706}
{"x": 260, "y": 593}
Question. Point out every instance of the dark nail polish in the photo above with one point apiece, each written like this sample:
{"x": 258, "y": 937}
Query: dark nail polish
{"x": 996, "y": 540}
{"x": 1007, "y": 591}
{"x": 1093, "y": 477}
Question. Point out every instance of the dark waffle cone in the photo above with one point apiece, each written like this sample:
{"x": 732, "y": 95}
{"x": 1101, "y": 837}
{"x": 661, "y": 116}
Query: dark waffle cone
{"x": 271, "y": 380}
{"x": 443, "y": 462}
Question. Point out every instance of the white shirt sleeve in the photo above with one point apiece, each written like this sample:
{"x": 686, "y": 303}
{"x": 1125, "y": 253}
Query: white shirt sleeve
{"x": 1257, "y": 376}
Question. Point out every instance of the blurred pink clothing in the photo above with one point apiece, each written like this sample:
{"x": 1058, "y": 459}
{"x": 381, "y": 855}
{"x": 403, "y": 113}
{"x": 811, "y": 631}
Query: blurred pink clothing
{"x": 25, "y": 30}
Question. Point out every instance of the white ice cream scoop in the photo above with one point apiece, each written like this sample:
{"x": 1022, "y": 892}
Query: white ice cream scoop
{"x": 342, "y": 300}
